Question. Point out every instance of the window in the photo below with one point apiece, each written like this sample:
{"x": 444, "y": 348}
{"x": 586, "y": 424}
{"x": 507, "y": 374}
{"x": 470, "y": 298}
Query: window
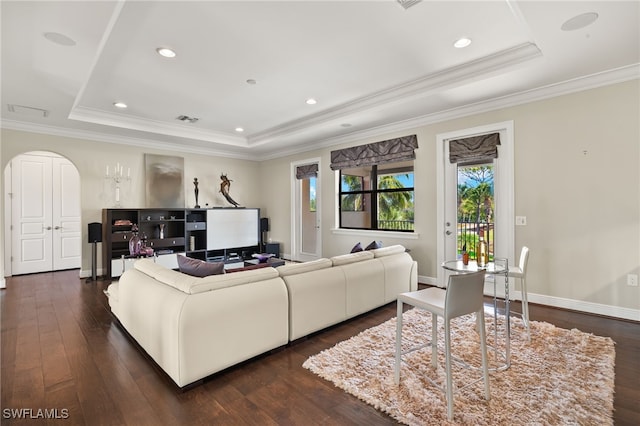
{"x": 379, "y": 197}
{"x": 312, "y": 194}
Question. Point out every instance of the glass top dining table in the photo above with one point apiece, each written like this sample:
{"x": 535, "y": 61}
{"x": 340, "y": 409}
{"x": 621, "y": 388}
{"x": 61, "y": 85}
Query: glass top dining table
{"x": 498, "y": 267}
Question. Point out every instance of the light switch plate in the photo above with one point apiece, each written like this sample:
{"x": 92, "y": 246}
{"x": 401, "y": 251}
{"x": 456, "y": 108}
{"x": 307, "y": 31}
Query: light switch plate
{"x": 521, "y": 220}
{"x": 632, "y": 280}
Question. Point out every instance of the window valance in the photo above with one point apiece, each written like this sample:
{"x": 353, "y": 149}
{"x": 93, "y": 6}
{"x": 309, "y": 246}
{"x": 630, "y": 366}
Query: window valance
{"x": 307, "y": 171}
{"x": 474, "y": 149}
{"x": 389, "y": 151}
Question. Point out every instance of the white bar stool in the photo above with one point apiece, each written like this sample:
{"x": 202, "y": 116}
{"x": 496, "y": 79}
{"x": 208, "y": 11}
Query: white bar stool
{"x": 464, "y": 295}
{"x": 520, "y": 272}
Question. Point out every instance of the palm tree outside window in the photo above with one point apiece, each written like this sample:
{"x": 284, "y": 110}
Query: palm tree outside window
{"x": 379, "y": 197}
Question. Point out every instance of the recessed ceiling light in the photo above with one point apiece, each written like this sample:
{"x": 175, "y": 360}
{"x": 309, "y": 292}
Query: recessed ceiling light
{"x": 462, "y": 42}
{"x": 60, "y": 39}
{"x": 579, "y": 21}
{"x": 166, "y": 52}
{"x": 120, "y": 105}
{"x": 311, "y": 101}
{"x": 239, "y": 129}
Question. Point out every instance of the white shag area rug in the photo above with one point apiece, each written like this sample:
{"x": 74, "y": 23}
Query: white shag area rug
{"x": 560, "y": 377}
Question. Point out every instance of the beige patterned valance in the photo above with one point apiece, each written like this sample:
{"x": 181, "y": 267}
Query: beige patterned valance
{"x": 307, "y": 171}
{"x": 475, "y": 149}
{"x": 389, "y": 151}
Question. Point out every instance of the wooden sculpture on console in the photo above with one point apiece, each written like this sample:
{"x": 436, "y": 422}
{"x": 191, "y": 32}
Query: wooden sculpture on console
{"x": 224, "y": 189}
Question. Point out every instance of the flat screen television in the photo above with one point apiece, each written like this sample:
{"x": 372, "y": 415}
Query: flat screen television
{"x": 232, "y": 228}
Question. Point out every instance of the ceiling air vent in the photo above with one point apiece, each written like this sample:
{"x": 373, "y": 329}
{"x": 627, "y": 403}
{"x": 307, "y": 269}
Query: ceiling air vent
{"x": 408, "y": 3}
{"x": 187, "y": 119}
{"x": 25, "y": 110}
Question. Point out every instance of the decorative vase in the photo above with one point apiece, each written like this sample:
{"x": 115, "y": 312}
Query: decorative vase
{"x": 135, "y": 243}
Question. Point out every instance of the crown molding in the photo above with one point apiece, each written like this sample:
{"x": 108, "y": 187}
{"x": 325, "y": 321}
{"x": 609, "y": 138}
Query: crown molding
{"x": 96, "y": 116}
{"x": 421, "y": 87}
{"x": 606, "y": 78}
{"x": 119, "y": 140}
{"x": 619, "y": 75}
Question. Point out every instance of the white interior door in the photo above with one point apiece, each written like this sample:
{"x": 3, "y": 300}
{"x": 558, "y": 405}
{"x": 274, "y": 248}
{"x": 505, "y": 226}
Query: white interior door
{"x": 447, "y": 188}
{"x": 32, "y": 214}
{"x": 66, "y": 215}
{"x": 45, "y": 214}
{"x": 306, "y": 236}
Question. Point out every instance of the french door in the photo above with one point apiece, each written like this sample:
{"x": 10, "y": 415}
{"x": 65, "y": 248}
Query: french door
{"x": 451, "y": 229}
{"x": 306, "y": 236}
{"x": 45, "y": 214}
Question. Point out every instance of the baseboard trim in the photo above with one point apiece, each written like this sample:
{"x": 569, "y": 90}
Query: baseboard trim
{"x": 427, "y": 280}
{"x": 86, "y": 273}
{"x": 582, "y": 306}
{"x": 559, "y": 302}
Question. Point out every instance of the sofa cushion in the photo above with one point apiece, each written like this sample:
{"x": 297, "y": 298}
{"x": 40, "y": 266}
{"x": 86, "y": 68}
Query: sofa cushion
{"x": 299, "y": 268}
{"x": 192, "y": 285}
{"x": 199, "y": 268}
{"x": 149, "y": 267}
{"x": 356, "y": 248}
{"x": 388, "y": 251}
{"x": 215, "y": 282}
{"x": 345, "y": 259}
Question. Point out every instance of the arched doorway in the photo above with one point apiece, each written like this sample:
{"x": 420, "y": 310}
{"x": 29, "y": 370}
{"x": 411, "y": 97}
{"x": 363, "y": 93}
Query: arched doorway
{"x": 42, "y": 214}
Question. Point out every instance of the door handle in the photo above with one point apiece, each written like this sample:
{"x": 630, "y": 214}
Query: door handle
{"x": 57, "y": 227}
{"x": 48, "y": 228}
{"x": 448, "y": 232}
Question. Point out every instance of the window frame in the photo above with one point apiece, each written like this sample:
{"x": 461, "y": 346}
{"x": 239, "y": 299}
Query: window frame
{"x": 373, "y": 194}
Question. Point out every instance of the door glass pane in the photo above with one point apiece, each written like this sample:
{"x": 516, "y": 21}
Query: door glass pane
{"x": 308, "y": 217}
{"x": 312, "y": 194}
{"x": 476, "y": 207}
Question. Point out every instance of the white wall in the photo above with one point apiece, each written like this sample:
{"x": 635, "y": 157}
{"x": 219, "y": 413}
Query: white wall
{"x": 577, "y": 161}
{"x": 91, "y": 158}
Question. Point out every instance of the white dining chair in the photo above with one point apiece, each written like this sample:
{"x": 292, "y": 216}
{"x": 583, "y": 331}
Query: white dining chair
{"x": 463, "y": 295}
{"x": 520, "y": 272}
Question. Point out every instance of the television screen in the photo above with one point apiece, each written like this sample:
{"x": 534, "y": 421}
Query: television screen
{"x": 231, "y": 228}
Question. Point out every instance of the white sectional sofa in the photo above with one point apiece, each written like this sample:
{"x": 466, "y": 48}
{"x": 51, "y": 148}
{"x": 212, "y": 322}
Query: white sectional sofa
{"x": 193, "y": 327}
{"x": 325, "y": 292}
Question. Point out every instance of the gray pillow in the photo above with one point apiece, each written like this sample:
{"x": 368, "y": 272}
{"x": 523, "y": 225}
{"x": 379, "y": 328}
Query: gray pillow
{"x": 374, "y": 245}
{"x": 356, "y": 248}
{"x": 199, "y": 268}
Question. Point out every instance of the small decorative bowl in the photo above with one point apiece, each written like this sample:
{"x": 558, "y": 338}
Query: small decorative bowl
{"x": 262, "y": 257}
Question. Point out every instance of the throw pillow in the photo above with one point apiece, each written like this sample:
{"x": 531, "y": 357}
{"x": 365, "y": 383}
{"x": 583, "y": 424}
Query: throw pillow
{"x": 374, "y": 245}
{"x": 199, "y": 268}
{"x": 356, "y": 248}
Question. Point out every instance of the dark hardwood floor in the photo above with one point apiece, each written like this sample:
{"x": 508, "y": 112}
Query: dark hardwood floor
{"x": 62, "y": 349}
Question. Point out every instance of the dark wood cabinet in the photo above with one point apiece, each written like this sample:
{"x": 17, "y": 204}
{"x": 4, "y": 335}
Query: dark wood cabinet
{"x": 167, "y": 231}
{"x": 162, "y": 229}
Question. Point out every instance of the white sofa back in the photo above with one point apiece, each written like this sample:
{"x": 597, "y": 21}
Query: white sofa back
{"x": 193, "y": 327}
{"x": 328, "y": 291}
